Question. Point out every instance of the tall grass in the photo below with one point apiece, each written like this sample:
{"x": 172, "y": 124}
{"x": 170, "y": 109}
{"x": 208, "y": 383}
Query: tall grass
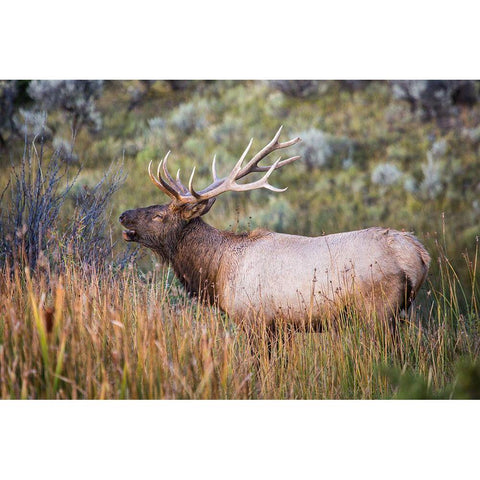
{"x": 97, "y": 332}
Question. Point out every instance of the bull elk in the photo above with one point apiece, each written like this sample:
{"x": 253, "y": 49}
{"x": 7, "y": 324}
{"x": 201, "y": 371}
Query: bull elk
{"x": 274, "y": 276}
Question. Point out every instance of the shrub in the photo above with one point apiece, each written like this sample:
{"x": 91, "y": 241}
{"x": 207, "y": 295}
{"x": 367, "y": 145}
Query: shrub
{"x": 439, "y": 148}
{"x": 31, "y": 212}
{"x": 410, "y": 185}
{"x": 468, "y": 379}
{"x": 178, "y": 85}
{"x": 8, "y": 94}
{"x": 34, "y": 125}
{"x": 315, "y": 148}
{"x": 409, "y": 90}
{"x": 138, "y": 94}
{"x": 277, "y": 215}
{"x": 187, "y": 118}
{"x": 435, "y": 98}
{"x": 276, "y": 105}
{"x": 64, "y": 150}
{"x": 157, "y": 130}
{"x": 296, "y": 88}
{"x": 386, "y": 174}
{"x": 472, "y": 135}
{"x": 353, "y": 85}
{"x": 410, "y": 385}
{"x": 157, "y": 124}
{"x": 30, "y": 220}
{"x": 75, "y": 97}
{"x": 343, "y": 149}
{"x": 87, "y": 232}
{"x": 432, "y": 184}
{"x": 227, "y": 131}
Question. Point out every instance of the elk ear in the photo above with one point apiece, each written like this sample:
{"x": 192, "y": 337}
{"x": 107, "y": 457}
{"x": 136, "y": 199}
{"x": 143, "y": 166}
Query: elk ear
{"x": 190, "y": 211}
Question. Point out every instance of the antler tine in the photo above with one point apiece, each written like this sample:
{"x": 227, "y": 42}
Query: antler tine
{"x": 238, "y": 166}
{"x": 280, "y": 164}
{"x": 214, "y": 170}
{"x": 223, "y": 185}
{"x": 274, "y": 144}
{"x": 190, "y": 185}
{"x": 261, "y": 183}
{"x": 274, "y": 166}
{"x": 177, "y": 185}
{"x": 152, "y": 176}
{"x": 161, "y": 183}
{"x": 165, "y": 170}
{"x": 183, "y": 189}
{"x": 277, "y": 135}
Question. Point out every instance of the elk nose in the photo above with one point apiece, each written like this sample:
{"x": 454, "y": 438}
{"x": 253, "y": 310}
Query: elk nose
{"x": 122, "y": 217}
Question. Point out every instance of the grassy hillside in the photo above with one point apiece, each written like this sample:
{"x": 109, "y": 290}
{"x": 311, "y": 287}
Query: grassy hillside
{"x": 83, "y": 316}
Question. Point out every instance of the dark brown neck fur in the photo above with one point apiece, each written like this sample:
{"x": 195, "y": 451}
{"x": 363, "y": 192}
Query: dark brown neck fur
{"x": 199, "y": 257}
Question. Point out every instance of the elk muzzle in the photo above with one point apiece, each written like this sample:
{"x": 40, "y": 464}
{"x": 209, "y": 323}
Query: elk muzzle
{"x": 129, "y": 235}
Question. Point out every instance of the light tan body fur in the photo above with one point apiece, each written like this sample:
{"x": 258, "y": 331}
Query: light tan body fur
{"x": 302, "y": 279}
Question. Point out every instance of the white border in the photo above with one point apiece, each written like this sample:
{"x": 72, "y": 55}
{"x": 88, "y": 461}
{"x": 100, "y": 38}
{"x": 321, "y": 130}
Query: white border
{"x": 239, "y": 439}
{"x": 244, "y": 40}
{"x": 343, "y": 39}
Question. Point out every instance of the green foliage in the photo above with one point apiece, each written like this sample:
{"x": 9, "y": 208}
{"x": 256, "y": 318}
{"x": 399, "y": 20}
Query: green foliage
{"x": 467, "y": 385}
{"x": 408, "y": 385}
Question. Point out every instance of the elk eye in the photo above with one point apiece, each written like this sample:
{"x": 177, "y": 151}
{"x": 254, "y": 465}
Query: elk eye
{"x": 158, "y": 216}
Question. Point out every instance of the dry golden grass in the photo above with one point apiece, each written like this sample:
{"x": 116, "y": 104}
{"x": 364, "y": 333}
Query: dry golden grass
{"x": 105, "y": 334}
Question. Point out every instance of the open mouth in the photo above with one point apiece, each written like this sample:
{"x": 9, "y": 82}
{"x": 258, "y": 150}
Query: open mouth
{"x": 129, "y": 235}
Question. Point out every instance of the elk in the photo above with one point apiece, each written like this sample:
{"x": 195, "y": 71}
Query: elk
{"x": 275, "y": 277}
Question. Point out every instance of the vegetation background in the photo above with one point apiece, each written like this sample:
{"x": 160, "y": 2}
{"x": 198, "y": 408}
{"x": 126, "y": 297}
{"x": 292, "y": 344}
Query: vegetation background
{"x": 83, "y": 315}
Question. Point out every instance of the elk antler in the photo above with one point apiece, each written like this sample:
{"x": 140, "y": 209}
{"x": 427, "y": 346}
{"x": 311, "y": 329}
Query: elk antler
{"x": 182, "y": 195}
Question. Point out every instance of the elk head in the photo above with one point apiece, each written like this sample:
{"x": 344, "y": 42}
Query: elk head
{"x": 158, "y": 227}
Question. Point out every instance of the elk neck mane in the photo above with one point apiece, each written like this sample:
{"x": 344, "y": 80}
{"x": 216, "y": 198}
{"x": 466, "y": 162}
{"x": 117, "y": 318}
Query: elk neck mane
{"x": 202, "y": 253}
